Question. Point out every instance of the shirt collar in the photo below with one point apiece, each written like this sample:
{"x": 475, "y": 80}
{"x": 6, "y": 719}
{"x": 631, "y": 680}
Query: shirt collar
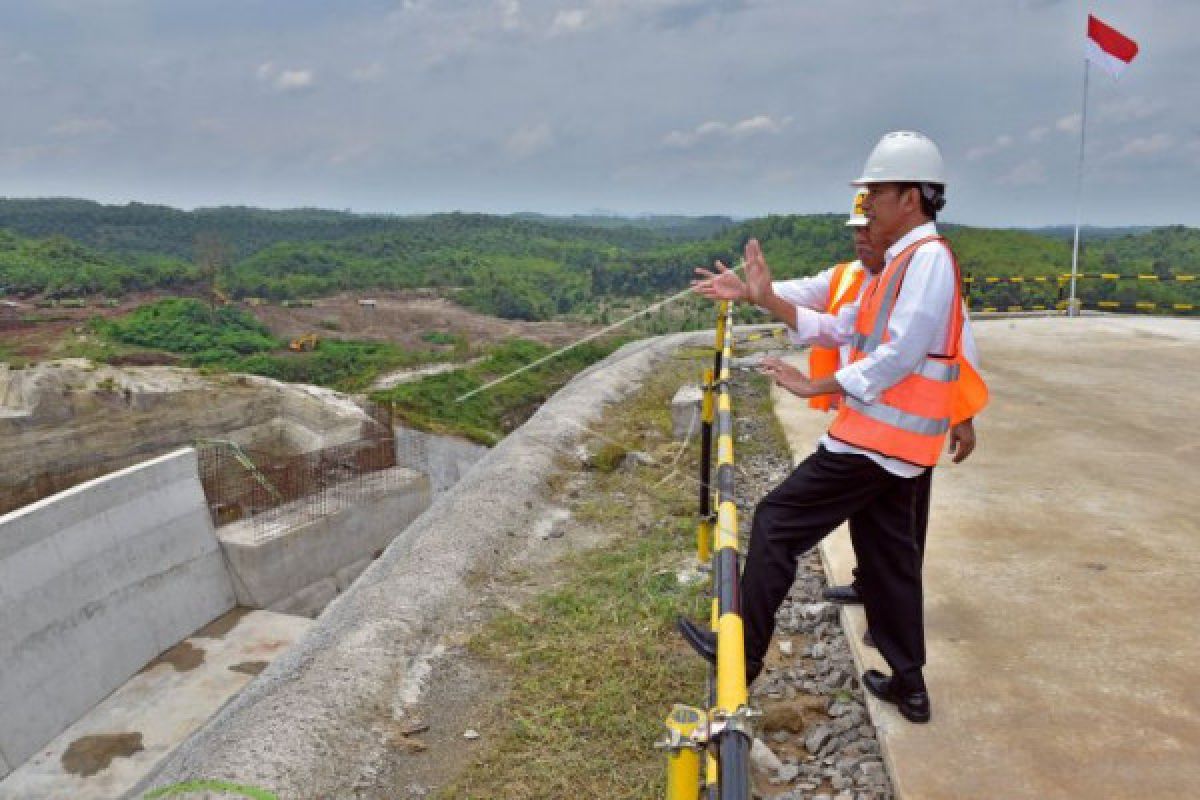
{"x": 916, "y": 234}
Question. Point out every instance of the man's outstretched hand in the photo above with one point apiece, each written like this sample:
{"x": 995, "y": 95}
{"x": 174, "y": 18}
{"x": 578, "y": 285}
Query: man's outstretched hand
{"x": 787, "y": 376}
{"x": 725, "y": 284}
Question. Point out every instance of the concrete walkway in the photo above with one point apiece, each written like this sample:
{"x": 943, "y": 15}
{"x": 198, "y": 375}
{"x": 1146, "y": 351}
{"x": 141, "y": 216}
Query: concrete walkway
{"x": 1062, "y": 578}
{"x": 111, "y": 748}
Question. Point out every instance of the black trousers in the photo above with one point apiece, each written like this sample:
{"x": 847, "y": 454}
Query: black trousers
{"x": 888, "y": 516}
{"x": 922, "y": 529}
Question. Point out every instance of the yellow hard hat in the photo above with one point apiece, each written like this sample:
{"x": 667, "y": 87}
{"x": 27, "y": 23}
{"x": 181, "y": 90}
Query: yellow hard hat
{"x": 857, "y": 218}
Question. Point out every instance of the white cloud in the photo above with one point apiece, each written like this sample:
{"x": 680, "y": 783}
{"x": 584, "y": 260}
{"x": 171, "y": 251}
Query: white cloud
{"x": 1030, "y": 172}
{"x": 529, "y": 140}
{"x": 367, "y": 74}
{"x": 510, "y": 14}
{"x": 292, "y": 79}
{"x": 1001, "y": 142}
{"x": 1069, "y": 124}
{"x": 284, "y": 80}
{"x": 80, "y": 126}
{"x": 569, "y": 21}
{"x": 751, "y": 126}
{"x": 1146, "y": 146}
{"x": 1038, "y": 132}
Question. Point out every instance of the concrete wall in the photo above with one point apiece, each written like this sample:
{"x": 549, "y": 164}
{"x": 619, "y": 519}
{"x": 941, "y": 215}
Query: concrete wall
{"x": 94, "y": 583}
{"x": 445, "y": 459}
{"x": 300, "y": 567}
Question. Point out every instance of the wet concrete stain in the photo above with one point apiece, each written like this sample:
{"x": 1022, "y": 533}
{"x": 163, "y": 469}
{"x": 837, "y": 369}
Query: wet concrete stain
{"x": 249, "y": 667}
{"x": 184, "y": 657}
{"x": 222, "y": 625}
{"x": 88, "y": 755}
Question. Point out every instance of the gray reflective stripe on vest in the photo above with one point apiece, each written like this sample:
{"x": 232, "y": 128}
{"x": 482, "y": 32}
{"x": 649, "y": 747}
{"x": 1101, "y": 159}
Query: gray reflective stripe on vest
{"x": 912, "y": 423}
{"x": 885, "y": 310}
{"x": 938, "y": 371}
{"x": 858, "y": 342}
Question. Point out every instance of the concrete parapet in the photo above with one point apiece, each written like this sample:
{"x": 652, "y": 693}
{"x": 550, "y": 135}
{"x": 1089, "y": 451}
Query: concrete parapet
{"x": 94, "y": 582}
{"x": 685, "y": 412}
{"x": 285, "y": 569}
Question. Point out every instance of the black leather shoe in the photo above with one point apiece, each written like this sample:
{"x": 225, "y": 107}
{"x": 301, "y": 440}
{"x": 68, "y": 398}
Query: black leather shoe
{"x": 703, "y": 641}
{"x": 868, "y": 639}
{"x": 846, "y": 595}
{"x": 914, "y": 706}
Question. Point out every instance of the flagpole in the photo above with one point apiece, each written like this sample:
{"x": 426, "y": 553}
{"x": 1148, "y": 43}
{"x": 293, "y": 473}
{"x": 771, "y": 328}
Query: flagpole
{"x": 1072, "y": 310}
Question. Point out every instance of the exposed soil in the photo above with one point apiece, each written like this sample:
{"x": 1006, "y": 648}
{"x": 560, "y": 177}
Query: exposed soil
{"x": 402, "y": 317}
{"x": 184, "y": 657}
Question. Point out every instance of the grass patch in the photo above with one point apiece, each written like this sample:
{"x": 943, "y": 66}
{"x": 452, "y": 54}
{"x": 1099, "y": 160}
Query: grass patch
{"x": 595, "y": 665}
{"x": 430, "y": 404}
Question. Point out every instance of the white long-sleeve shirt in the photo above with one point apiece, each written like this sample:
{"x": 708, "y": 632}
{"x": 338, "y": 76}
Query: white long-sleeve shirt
{"x": 918, "y": 327}
{"x": 813, "y": 292}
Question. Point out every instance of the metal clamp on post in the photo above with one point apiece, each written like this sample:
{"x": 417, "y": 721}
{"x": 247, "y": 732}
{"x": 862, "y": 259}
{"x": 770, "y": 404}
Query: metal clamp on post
{"x": 738, "y": 722}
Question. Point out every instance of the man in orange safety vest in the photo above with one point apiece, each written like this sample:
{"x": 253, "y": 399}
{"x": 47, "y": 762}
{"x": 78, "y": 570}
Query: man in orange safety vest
{"x": 909, "y": 387}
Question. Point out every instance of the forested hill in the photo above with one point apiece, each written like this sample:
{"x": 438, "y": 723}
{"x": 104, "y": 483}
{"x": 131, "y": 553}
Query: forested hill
{"x": 521, "y": 266}
{"x": 161, "y": 230}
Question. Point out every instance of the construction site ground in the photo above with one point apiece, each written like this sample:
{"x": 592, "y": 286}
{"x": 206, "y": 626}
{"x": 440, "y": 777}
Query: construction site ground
{"x": 1060, "y": 575}
{"x": 402, "y": 317}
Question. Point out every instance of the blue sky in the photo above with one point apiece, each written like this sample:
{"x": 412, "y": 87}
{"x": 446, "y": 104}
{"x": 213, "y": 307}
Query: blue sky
{"x": 739, "y": 107}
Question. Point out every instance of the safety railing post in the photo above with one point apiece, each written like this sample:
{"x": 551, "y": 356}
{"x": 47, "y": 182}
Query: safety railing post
{"x": 683, "y": 752}
{"x": 730, "y": 712}
{"x": 704, "y": 527}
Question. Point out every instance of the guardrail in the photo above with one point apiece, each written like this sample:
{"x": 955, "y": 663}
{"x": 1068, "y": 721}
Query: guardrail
{"x": 721, "y": 733}
{"x": 1152, "y": 293}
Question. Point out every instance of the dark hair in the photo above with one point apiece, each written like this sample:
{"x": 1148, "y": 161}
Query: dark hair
{"x": 933, "y": 196}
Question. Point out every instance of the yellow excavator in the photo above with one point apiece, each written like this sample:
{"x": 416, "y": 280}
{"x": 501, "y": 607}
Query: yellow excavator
{"x": 305, "y": 344}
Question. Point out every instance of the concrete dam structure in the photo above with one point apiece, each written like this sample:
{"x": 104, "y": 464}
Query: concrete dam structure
{"x": 126, "y": 617}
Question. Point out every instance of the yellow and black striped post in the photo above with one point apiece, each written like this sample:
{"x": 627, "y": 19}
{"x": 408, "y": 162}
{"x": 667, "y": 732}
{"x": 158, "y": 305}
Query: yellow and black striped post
{"x": 732, "y": 741}
{"x": 704, "y": 527}
{"x": 683, "y": 753}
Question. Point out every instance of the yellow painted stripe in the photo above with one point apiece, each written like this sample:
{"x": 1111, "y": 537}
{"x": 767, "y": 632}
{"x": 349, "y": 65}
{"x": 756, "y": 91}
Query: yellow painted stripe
{"x": 1015, "y": 308}
{"x": 704, "y": 542}
{"x": 731, "y": 664}
{"x": 724, "y": 450}
{"x": 724, "y": 403}
{"x": 1040, "y": 278}
{"x": 1146, "y": 306}
{"x": 1183, "y": 306}
{"x": 1109, "y": 276}
{"x": 1147, "y": 277}
{"x": 1108, "y": 304}
{"x": 1017, "y": 279}
{"x": 988, "y": 308}
{"x": 1185, "y": 277}
{"x": 991, "y": 279}
{"x": 727, "y": 525}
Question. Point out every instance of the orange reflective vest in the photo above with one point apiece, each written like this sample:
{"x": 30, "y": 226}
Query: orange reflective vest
{"x": 844, "y": 285}
{"x": 910, "y": 419}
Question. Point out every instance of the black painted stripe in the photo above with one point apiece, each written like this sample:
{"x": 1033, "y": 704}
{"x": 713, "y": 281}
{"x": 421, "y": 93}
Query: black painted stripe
{"x": 734, "y": 757}
{"x": 729, "y": 590}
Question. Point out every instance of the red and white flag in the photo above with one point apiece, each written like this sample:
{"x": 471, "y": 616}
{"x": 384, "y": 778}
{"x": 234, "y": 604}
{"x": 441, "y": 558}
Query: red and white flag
{"x": 1108, "y": 48}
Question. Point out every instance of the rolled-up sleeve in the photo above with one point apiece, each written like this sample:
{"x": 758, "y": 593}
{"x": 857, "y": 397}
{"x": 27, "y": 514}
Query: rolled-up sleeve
{"x": 917, "y": 327}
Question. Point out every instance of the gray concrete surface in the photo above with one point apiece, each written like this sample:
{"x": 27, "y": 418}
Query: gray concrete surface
{"x": 686, "y": 407}
{"x": 331, "y": 702}
{"x": 445, "y": 459}
{"x": 103, "y": 754}
{"x": 270, "y": 568}
{"x": 94, "y": 582}
{"x": 1060, "y": 577}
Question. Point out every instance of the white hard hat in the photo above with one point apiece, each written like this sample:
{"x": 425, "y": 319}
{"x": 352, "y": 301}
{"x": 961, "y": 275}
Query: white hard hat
{"x": 903, "y": 157}
{"x": 857, "y": 218}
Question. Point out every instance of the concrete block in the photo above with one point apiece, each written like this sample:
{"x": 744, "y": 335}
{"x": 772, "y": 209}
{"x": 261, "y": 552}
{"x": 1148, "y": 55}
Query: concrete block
{"x": 267, "y": 569}
{"x": 309, "y": 601}
{"x": 347, "y": 575}
{"x": 445, "y": 459}
{"x": 685, "y": 412}
{"x": 94, "y": 582}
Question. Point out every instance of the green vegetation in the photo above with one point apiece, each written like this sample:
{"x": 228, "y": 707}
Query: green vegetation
{"x": 58, "y": 267}
{"x": 523, "y": 266}
{"x": 593, "y": 664}
{"x": 431, "y": 403}
{"x": 230, "y": 339}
